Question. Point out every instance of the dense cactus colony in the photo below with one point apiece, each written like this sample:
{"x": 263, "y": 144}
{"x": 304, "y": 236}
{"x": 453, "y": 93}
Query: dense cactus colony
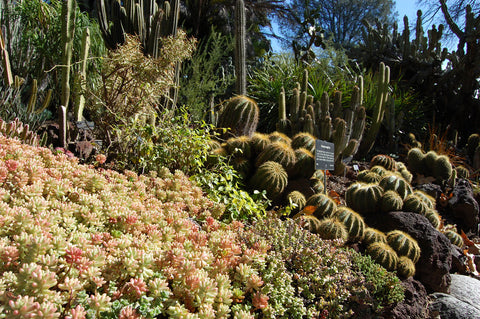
{"x": 403, "y": 244}
{"x": 272, "y": 177}
{"x": 240, "y": 114}
{"x": 353, "y": 222}
{"x": 325, "y": 206}
{"x": 363, "y": 198}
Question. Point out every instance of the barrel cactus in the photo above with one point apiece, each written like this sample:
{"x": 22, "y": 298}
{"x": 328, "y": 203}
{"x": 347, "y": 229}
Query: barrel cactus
{"x": 279, "y": 152}
{"x": 405, "y": 267}
{"x": 427, "y": 199}
{"x": 442, "y": 169}
{"x": 454, "y": 238}
{"x": 240, "y": 114}
{"x": 385, "y": 161}
{"x": 353, "y": 222}
{"x": 239, "y": 146}
{"x": 429, "y": 162}
{"x": 462, "y": 172}
{"x": 243, "y": 166}
{"x": 304, "y": 140}
{"x": 279, "y": 137}
{"x": 391, "y": 201}
{"x": 380, "y": 170}
{"x": 304, "y": 164}
{"x": 325, "y": 206}
{"x": 367, "y": 176}
{"x": 309, "y": 222}
{"x": 413, "y": 203}
{"x": 297, "y": 198}
{"x": 404, "y": 244}
{"x": 403, "y": 170}
{"x": 259, "y": 141}
{"x": 363, "y": 198}
{"x": 373, "y": 235}
{"x": 383, "y": 255}
{"x": 396, "y": 183}
{"x": 332, "y": 228}
{"x": 317, "y": 185}
{"x": 272, "y": 177}
{"x": 433, "y": 217}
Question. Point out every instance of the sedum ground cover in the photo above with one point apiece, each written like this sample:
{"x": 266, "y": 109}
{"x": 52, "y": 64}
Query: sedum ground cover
{"x": 79, "y": 241}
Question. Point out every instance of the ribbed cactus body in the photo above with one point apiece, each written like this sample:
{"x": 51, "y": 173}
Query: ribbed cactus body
{"x": 413, "y": 203}
{"x": 278, "y": 152}
{"x": 454, "y": 238}
{"x": 317, "y": 185}
{"x": 385, "y": 161}
{"x": 363, "y": 198}
{"x": 373, "y": 235}
{"x": 243, "y": 166}
{"x": 380, "y": 170}
{"x": 402, "y": 170}
{"x": 415, "y": 161}
{"x": 433, "y": 217}
{"x": 462, "y": 172}
{"x": 332, "y": 228}
{"x": 472, "y": 143}
{"x": 304, "y": 164}
{"x": 325, "y": 206}
{"x": 391, "y": 201}
{"x": 404, "y": 244}
{"x": 309, "y": 222}
{"x": 241, "y": 115}
{"x": 240, "y": 146}
{"x": 429, "y": 162}
{"x": 367, "y": 176}
{"x": 304, "y": 140}
{"x": 427, "y": 199}
{"x": 279, "y": 137}
{"x": 259, "y": 141}
{"x": 383, "y": 255}
{"x": 405, "y": 267}
{"x": 353, "y": 222}
{"x": 442, "y": 169}
{"x": 272, "y": 177}
{"x": 297, "y": 198}
{"x": 396, "y": 183}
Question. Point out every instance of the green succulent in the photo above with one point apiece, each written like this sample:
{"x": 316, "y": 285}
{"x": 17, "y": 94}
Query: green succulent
{"x": 404, "y": 244}
{"x": 405, "y": 267}
{"x": 332, "y": 228}
{"x": 454, "y": 238}
{"x": 272, "y": 177}
{"x": 353, "y": 222}
{"x": 415, "y": 204}
{"x": 304, "y": 164}
{"x": 279, "y": 152}
{"x": 363, "y": 198}
{"x": 240, "y": 114}
{"x": 297, "y": 198}
{"x": 373, "y": 235}
{"x": 415, "y": 162}
{"x": 367, "y": 176}
{"x": 240, "y": 146}
{"x": 391, "y": 201}
{"x": 325, "y": 206}
{"x": 396, "y": 183}
{"x": 385, "y": 161}
{"x": 383, "y": 254}
{"x": 304, "y": 140}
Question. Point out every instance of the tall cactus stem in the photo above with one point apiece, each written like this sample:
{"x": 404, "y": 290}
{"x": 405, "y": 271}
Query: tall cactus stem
{"x": 240, "y": 48}
{"x": 81, "y": 77}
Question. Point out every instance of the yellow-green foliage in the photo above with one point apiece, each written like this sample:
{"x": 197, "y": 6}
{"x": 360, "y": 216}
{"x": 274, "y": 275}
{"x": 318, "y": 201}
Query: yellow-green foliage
{"x": 404, "y": 244}
{"x": 325, "y": 206}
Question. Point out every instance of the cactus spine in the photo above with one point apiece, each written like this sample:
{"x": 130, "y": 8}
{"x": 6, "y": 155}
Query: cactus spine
{"x": 383, "y": 254}
{"x": 405, "y": 267}
{"x": 397, "y": 184}
{"x": 332, "y": 228}
{"x": 391, "y": 201}
{"x": 325, "y": 206}
{"x": 454, "y": 238}
{"x": 240, "y": 48}
{"x": 353, "y": 222}
{"x": 278, "y": 152}
{"x": 385, "y": 161}
{"x": 363, "y": 198}
{"x": 373, "y": 235}
{"x": 240, "y": 114}
{"x": 367, "y": 176}
{"x": 272, "y": 177}
{"x": 404, "y": 244}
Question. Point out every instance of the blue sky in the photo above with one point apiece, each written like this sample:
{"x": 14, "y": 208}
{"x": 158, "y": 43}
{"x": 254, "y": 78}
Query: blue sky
{"x": 403, "y": 7}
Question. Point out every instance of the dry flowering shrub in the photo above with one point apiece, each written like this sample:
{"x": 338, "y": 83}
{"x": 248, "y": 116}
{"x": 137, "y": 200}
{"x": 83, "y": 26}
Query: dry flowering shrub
{"x": 80, "y": 242}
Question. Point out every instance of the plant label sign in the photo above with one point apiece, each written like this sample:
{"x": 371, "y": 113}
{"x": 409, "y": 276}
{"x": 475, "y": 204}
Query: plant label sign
{"x": 324, "y": 155}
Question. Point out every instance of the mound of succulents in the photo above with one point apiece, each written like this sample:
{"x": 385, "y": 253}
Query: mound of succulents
{"x": 79, "y": 241}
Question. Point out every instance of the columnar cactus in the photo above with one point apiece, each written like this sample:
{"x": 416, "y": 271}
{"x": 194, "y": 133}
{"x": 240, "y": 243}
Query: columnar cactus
{"x": 383, "y": 254}
{"x": 404, "y": 244}
{"x": 363, "y": 198}
{"x": 272, "y": 177}
{"x": 325, "y": 206}
{"x": 278, "y": 152}
{"x": 353, "y": 222}
{"x": 240, "y": 115}
{"x": 332, "y": 228}
{"x": 240, "y": 48}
